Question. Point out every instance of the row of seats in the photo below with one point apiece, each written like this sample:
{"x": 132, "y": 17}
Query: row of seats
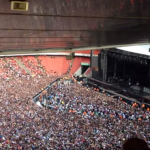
{"x": 39, "y": 64}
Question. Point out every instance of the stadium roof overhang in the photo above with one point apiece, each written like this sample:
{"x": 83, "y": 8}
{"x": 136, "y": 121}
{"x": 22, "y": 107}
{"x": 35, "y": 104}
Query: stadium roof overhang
{"x": 128, "y": 47}
{"x": 69, "y": 25}
{"x": 139, "y": 49}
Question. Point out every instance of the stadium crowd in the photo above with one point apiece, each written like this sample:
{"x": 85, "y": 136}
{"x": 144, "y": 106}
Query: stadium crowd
{"x": 85, "y": 119}
{"x": 74, "y": 117}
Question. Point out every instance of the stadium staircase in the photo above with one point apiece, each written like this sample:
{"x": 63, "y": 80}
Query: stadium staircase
{"x": 87, "y": 72}
{"x": 40, "y": 64}
{"x": 78, "y": 72}
{"x": 71, "y": 64}
{"x": 22, "y": 66}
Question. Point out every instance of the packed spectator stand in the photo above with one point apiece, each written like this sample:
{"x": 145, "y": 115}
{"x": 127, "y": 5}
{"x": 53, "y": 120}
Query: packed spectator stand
{"x": 92, "y": 120}
{"x": 63, "y": 116}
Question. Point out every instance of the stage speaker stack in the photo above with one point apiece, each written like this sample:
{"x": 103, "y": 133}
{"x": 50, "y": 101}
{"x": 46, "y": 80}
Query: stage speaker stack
{"x": 78, "y": 78}
{"x": 91, "y": 57}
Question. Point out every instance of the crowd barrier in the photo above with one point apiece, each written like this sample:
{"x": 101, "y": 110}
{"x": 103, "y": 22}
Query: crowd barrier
{"x": 50, "y": 85}
{"x": 101, "y": 86}
{"x": 124, "y": 99}
{"x": 37, "y": 95}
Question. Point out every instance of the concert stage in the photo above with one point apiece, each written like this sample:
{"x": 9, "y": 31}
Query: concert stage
{"x": 124, "y": 72}
{"x": 121, "y": 91}
{"x": 132, "y": 92}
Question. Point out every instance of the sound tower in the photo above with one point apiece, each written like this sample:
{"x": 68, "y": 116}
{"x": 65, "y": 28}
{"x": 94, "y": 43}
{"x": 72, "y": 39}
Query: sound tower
{"x": 103, "y": 65}
{"x": 91, "y": 57}
{"x": 99, "y": 62}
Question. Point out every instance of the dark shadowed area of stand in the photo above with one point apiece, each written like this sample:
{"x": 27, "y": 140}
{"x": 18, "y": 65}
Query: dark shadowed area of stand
{"x": 70, "y": 24}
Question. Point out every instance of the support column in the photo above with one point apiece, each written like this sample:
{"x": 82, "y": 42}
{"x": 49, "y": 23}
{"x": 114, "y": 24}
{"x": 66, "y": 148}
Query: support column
{"x": 104, "y": 65}
{"x": 115, "y": 69}
{"x": 91, "y": 57}
{"x": 149, "y": 72}
{"x": 91, "y": 62}
{"x": 124, "y": 70}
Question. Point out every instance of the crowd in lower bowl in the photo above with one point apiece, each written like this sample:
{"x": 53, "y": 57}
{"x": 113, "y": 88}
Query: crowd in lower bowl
{"x": 82, "y": 118}
{"x": 74, "y": 117}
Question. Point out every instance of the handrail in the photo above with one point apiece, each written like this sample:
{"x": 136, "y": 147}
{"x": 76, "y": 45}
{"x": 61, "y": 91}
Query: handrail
{"x": 34, "y": 97}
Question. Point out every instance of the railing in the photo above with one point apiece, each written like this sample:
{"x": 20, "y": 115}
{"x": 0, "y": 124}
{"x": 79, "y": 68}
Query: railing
{"x": 37, "y": 95}
{"x": 99, "y": 84}
{"x": 71, "y": 64}
{"x": 22, "y": 65}
{"x": 106, "y": 86}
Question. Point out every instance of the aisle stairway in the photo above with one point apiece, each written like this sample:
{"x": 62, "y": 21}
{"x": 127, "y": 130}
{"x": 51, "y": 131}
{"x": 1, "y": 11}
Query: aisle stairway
{"x": 22, "y": 66}
{"x": 69, "y": 69}
{"x": 39, "y": 63}
{"x": 87, "y": 73}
